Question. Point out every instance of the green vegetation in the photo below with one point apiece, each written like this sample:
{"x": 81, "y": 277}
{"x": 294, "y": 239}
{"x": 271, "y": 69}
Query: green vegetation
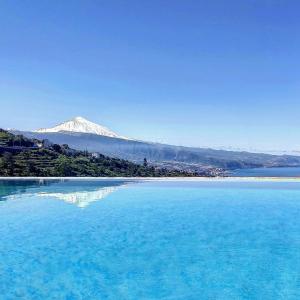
{"x": 20, "y": 156}
{"x": 11, "y": 140}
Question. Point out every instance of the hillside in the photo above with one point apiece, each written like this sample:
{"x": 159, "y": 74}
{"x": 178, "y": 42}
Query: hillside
{"x": 184, "y": 158}
{"x": 21, "y": 156}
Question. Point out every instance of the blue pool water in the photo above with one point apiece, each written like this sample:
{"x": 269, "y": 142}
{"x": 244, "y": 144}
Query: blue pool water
{"x": 149, "y": 240}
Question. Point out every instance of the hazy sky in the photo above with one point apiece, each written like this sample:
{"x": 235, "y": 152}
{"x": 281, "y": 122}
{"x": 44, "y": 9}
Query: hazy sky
{"x": 201, "y": 73}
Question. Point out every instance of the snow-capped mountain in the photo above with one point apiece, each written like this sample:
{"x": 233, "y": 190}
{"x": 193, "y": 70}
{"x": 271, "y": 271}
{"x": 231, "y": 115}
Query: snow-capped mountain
{"x": 80, "y": 124}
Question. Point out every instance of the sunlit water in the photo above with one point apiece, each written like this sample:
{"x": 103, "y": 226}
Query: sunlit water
{"x": 149, "y": 240}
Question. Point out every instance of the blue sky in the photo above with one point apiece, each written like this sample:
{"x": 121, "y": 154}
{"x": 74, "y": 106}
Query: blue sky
{"x": 199, "y": 73}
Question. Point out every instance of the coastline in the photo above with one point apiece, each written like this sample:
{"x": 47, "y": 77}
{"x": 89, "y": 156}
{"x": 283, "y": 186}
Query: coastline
{"x": 229, "y": 179}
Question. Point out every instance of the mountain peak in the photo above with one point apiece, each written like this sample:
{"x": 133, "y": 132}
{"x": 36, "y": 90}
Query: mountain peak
{"x": 80, "y": 119}
{"x": 80, "y": 124}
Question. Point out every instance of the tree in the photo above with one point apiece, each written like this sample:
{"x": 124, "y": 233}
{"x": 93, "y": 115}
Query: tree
{"x": 145, "y": 162}
{"x": 2, "y": 166}
{"x": 57, "y": 148}
{"x": 30, "y": 168}
{"x": 64, "y": 166}
{"x": 8, "y": 163}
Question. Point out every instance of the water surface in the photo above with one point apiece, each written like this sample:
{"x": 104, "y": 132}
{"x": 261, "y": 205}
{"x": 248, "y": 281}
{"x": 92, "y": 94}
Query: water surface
{"x": 149, "y": 240}
{"x": 267, "y": 172}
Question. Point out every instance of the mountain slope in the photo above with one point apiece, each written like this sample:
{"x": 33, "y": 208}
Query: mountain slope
{"x": 82, "y": 134}
{"x": 21, "y": 156}
{"x": 186, "y": 158}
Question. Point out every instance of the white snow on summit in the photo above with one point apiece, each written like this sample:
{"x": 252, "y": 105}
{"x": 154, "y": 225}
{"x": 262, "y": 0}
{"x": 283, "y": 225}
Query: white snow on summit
{"x": 80, "y": 124}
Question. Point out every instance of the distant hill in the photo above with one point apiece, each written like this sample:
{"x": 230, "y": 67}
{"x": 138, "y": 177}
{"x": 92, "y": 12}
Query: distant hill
{"x": 184, "y": 158}
{"x": 84, "y": 135}
{"x": 23, "y": 156}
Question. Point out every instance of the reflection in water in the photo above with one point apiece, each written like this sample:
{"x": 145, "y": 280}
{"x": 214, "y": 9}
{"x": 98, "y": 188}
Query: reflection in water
{"x": 78, "y": 192}
{"x": 10, "y": 189}
{"x": 81, "y": 198}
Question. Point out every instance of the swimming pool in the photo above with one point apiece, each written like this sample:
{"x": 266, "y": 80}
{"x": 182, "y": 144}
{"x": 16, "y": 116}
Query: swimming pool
{"x": 131, "y": 239}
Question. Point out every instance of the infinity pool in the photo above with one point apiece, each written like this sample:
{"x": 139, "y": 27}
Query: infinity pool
{"x": 80, "y": 239}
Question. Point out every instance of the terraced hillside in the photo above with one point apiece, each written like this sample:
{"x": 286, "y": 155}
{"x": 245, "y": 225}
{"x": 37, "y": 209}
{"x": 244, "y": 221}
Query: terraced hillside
{"x": 179, "y": 157}
{"x": 20, "y": 156}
